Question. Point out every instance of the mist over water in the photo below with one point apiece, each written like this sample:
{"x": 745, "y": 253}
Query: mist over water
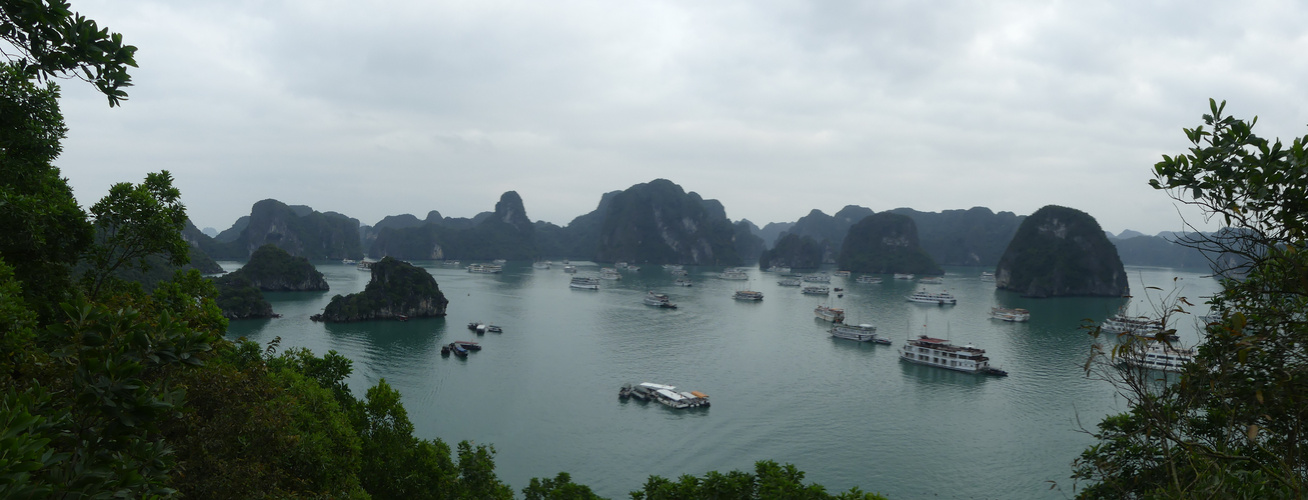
{"x": 544, "y": 392}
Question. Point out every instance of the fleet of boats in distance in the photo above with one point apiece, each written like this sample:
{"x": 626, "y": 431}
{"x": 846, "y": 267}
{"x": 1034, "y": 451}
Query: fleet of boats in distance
{"x": 1152, "y": 353}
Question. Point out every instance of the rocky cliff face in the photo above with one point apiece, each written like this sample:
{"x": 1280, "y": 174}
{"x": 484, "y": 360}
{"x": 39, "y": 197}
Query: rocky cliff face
{"x": 398, "y": 290}
{"x": 659, "y": 223}
{"x": 885, "y": 243}
{"x": 794, "y": 251}
{"x": 506, "y": 233}
{"x": 973, "y": 237}
{"x": 272, "y": 269}
{"x": 1060, "y": 251}
{"x": 297, "y": 229}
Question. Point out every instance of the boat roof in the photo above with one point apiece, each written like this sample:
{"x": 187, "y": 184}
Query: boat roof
{"x": 670, "y": 395}
{"x": 652, "y": 385}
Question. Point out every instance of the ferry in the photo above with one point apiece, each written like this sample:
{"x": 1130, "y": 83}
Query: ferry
{"x": 570, "y": 269}
{"x": 733, "y": 274}
{"x": 684, "y": 282}
{"x": 940, "y": 298}
{"x": 451, "y": 263}
{"x": 832, "y": 314}
{"x": 789, "y": 282}
{"x": 940, "y": 353}
{"x": 1010, "y": 315}
{"x": 932, "y": 280}
{"x": 665, "y": 394}
{"x": 485, "y": 269}
{"x": 1138, "y": 326}
{"x": 1160, "y": 356}
{"x": 659, "y": 300}
{"x": 748, "y": 295}
{"x": 903, "y": 276}
{"x": 817, "y": 278}
{"x": 816, "y": 290}
{"x": 842, "y": 274}
{"x": 584, "y": 283}
{"x": 868, "y": 279}
{"x": 987, "y": 276}
{"x": 861, "y": 333}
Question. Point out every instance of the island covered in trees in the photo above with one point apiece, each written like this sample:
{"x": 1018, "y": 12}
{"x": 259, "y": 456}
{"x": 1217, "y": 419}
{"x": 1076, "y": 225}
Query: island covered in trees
{"x": 397, "y": 290}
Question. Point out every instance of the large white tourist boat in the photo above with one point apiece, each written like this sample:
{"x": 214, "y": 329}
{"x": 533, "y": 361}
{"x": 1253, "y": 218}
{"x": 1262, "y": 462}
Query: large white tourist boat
{"x": 868, "y": 279}
{"x": 940, "y": 298}
{"x": 817, "y": 278}
{"x": 747, "y": 295}
{"x": 861, "y": 333}
{"x": 485, "y": 269}
{"x": 832, "y": 314}
{"x": 1010, "y": 315}
{"x": 665, "y": 394}
{"x": 734, "y": 274}
{"x": 584, "y": 283}
{"x": 1139, "y": 326}
{"x": 903, "y": 276}
{"x": 940, "y": 353}
{"x": 659, "y": 300}
{"x": 816, "y": 290}
{"x": 1159, "y": 356}
{"x": 570, "y": 269}
{"x": 790, "y": 282}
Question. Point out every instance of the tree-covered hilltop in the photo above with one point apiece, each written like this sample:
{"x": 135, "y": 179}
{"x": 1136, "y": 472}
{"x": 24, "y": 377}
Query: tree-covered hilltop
{"x": 299, "y": 230}
{"x": 885, "y": 243}
{"x": 506, "y": 233}
{"x": 238, "y": 298}
{"x": 397, "y": 290}
{"x": 272, "y": 269}
{"x": 660, "y": 223}
{"x": 794, "y": 251}
{"x": 972, "y": 237}
{"x": 1058, "y": 252}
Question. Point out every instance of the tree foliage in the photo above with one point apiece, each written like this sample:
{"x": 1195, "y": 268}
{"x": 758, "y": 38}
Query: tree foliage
{"x": 51, "y": 40}
{"x": 1235, "y": 425}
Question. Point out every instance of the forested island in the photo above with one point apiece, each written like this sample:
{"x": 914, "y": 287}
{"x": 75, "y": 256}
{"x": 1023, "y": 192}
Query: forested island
{"x": 1058, "y": 252}
{"x": 397, "y": 290}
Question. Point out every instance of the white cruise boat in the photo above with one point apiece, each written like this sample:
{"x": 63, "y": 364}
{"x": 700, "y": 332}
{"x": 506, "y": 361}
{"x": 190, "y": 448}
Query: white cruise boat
{"x": 790, "y": 282}
{"x": 748, "y": 295}
{"x": 659, "y": 300}
{"x": 842, "y": 274}
{"x": 1139, "y": 326}
{"x": 734, "y": 275}
{"x": 349, "y": 262}
{"x": 665, "y": 394}
{"x": 868, "y": 279}
{"x": 671, "y": 267}
{"x": 570, "y": 269}
{"x": 485, "y": 269}
{"x": 817, "y": 278}
{"x": 1010, "y": 315}
{"x": 903, "y": 276}
{"x": 932, "y": 280}
{"x": 861, "y": 333}
{"x": 832, "y": 314}
{"x": 940, "y": 353}
{"x": 816, "y": 290}
{"x": 940, "y": 298}
{"x": 1160, "y": 356}
{"x": 451, "y": 263}
{"x": 779, "y": 269}
{"x": 584, "y": 283}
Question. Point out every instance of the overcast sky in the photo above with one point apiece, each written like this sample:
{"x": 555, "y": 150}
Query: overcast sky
{"x": 772, "y": 107}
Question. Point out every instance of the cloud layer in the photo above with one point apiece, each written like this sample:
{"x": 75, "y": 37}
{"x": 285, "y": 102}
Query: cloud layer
{"x": 774, "y": 108}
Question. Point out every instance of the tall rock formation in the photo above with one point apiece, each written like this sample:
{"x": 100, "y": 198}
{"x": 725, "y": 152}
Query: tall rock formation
{"x": 1060, "y": 251}
{"x": 973, "y": 237}
{"x": 885, "y": 243}
{"x": 299, "y": 230}
{"x": 397, "y": 290}
{"x": 506, "y": 233}
{"x": 794, "y": 251}
{"x": 659, "y": 223}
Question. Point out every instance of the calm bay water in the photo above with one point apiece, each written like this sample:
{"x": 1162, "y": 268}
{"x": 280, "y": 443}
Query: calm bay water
{"x": 544, "y": 392}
